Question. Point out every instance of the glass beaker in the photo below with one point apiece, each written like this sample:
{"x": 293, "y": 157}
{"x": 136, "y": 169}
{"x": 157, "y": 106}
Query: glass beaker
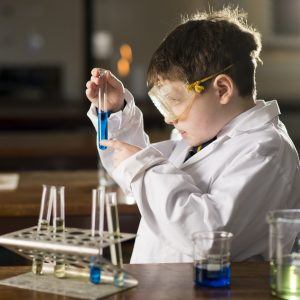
{"x": 212, "y": 258}
{"x": 284, "y": 253}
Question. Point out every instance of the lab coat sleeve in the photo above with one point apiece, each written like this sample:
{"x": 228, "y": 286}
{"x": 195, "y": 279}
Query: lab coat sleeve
{"x": 126, "y": 125}
{"x": 174, "y": 207}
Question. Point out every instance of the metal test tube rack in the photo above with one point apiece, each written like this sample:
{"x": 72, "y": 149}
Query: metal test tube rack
{"x": 79, "y": 247}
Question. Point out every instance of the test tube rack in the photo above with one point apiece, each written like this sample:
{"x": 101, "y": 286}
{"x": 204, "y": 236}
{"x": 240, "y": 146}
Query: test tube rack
{"x": 76, "y": 245}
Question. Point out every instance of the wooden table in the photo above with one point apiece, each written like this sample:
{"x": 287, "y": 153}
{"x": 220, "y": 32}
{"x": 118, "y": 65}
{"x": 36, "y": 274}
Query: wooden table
{"x": 20, "y": 208}
{"x": 25, "y": 200}
{"x": 169, "y": 281}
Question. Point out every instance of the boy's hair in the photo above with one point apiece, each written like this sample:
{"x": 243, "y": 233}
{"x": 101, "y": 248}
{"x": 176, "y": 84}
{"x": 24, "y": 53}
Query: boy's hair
{"x": 205, "y": 44}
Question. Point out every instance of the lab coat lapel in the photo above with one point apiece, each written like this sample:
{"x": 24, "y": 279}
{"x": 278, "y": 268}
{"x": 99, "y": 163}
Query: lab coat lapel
{"x": 204, "y": 152}
{"x": 179, "y": 154}
{"x": 263, "y": 113}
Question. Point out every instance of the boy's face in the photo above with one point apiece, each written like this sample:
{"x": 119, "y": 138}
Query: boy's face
{"x": 200, "y": 114}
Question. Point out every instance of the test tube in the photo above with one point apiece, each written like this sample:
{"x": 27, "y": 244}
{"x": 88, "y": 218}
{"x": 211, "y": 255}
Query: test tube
{"x": 98, "y": 202}
{"x": 114, "y": 228}
{"x": 45, "y": 208}
{"x": 59, "y": 226}
{"x": 102, "y": 110}
{"x": 97, "y": 227}
{"x": 43, "y": 225}
{"x": 98, "y": 268}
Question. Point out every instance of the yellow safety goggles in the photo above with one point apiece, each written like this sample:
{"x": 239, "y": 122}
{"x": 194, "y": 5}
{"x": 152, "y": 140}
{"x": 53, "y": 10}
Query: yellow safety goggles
{"x": 175, "y": 99}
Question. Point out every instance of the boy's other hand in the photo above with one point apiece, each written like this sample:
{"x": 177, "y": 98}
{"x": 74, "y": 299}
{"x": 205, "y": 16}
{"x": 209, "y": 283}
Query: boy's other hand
{"x": 122, "y": 150}
{"x": 115, "y": 89}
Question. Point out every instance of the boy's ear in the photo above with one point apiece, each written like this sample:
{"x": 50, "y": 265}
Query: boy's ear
{"x": 223, "y": 86}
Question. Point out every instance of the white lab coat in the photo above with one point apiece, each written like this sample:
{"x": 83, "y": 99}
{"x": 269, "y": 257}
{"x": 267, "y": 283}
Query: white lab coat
{"x": 251, "y": 168}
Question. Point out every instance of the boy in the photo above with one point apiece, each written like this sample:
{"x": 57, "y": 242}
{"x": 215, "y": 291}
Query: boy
{"x": 202, "y": 79}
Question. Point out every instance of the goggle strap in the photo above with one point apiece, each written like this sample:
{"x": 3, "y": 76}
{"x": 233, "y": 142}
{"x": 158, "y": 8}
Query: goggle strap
{"x": 192, "y": 85}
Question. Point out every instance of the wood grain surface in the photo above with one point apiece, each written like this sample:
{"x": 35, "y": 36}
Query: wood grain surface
{"x": 169, "y": 281}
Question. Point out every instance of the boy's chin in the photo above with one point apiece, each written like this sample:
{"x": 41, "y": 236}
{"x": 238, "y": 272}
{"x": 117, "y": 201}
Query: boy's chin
{"x": 191, "y": 143}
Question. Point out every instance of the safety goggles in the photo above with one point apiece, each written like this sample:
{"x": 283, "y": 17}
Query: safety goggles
{"x": 174, "y": 100}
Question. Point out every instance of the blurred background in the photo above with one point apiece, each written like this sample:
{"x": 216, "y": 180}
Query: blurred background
{"x": 48, "y": 47}
{"x": 47, "y": 50}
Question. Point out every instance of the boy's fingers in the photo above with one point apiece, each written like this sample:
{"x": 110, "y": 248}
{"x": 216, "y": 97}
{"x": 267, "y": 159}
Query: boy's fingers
{"x": 95, "y": 79}
{"x": 115, "y": 144}
{"x": 113, "y": 80}
{"x": 89, "y": 93}
{"x": 90, "y": 85}
{"x": 97, "y": 71}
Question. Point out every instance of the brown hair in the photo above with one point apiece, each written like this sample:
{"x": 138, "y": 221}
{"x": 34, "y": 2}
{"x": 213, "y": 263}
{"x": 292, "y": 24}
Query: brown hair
{"x": 206, "y": 43}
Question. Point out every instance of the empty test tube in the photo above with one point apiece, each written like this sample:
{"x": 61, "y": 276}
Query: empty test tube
{"x": 45, "y": 208}
{"x": 98, "y": 202}
{"x": 102, "y": 110}
{"x": 59, "y": 226}
{"x": 43, "y": 225}
{"x": 114, "y": 228}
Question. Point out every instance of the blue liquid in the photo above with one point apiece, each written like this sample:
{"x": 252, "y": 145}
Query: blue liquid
{"x": 212, "y": 278}
{"x": 102, "y": 128}
{"x": 95, "y": 275}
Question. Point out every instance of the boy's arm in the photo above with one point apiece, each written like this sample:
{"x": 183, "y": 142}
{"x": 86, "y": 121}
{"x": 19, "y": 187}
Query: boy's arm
{"x": 125, "y": 125}
{"x": 174, "y": 207}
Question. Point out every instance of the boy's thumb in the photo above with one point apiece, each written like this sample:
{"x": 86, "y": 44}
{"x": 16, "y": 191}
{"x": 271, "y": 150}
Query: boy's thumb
{"x": 113, "y": 80}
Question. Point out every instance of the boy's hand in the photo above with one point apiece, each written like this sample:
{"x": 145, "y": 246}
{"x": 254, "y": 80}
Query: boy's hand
{"x": 122, "y": 150}
{"x": 115, "y": 90}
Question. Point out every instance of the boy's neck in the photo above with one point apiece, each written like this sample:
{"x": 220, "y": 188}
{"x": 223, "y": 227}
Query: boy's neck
{"x": 240, "y": 105}
{"x": 237, "y": 106}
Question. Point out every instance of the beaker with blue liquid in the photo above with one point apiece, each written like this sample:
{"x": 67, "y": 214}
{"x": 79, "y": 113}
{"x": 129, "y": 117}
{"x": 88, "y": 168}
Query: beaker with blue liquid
{"x": 212, "y": 258}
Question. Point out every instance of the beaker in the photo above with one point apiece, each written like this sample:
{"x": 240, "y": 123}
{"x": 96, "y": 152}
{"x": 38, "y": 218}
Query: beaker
{"x": 284, "y": 253}
{"x": 212, "y": 258}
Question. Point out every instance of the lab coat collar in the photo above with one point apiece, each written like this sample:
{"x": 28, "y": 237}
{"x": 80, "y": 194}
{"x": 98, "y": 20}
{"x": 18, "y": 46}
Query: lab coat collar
{"x": 262, "y": 113}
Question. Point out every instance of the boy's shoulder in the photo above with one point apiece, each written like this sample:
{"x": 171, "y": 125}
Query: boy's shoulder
{"x": 260, "y": 130}
{"x": 270, "y": 140}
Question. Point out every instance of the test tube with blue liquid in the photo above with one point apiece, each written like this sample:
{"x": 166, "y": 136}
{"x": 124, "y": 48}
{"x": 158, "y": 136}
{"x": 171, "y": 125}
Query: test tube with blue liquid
{"x": 114, "y": 234}
{"x": 102, "y": 110}
{"x": 101, "y": 272}
{"x": 212, "y": 259}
